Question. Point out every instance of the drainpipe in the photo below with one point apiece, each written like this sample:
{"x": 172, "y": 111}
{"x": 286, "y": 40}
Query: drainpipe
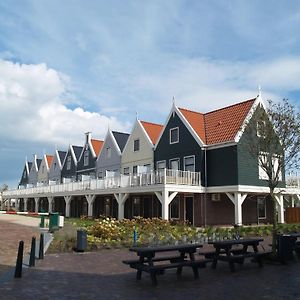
{"x": 205, "y": 185}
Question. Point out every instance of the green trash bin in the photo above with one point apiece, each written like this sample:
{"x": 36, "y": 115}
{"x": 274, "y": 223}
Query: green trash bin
{"x": 53, "y": 221}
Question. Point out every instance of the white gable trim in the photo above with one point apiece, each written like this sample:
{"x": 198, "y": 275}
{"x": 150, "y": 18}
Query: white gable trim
{"x": 92, "y": 148}
{"x": 175, "y": 109}
{"x": 258, "y": 101}
{"x": 73, "y": 154}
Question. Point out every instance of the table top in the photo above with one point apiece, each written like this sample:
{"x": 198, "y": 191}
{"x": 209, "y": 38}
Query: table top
{"x": 295, "y": 234}
{"x": 248, "y": 241}
{"x": 163, "y": 248}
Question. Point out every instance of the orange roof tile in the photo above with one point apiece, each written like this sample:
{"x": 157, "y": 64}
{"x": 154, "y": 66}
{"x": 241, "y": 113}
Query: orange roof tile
{"x": 223, "y": 124}
{"x": 153, "y": 130}
{"x": 97, "y": 145}
{"x": 49, "y": 160}
{"x": 196, "y": 120}
{"x": 220, "y": 125}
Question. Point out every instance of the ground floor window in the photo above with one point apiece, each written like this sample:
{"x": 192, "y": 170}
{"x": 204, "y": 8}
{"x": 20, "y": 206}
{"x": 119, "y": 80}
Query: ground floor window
{"x": 261, "y": 207}
{"x": 174, "y": 208}
{"x": 136, "y": 209}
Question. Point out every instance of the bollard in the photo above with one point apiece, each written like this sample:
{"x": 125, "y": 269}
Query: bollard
{"x": 41, "y": 249}
{"x": 19, "y": 263}
{"x": 32, "y": 253}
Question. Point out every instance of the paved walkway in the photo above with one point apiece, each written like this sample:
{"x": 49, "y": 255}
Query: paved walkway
{"x": 101, "y": 275}
{"x": 14, "y": 228}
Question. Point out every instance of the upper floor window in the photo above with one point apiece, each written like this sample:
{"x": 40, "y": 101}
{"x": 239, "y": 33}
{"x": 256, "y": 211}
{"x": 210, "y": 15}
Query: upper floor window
{"x": 261, "y": 128}
{"x": 54, "y": 166}
{"x": 161, "y": 165}
{"x": 126, "y": 171}
{"x": 134, "y": 169}
{"x": 108, "y": 152}
{"x": 86, "y": 158}
{"x": 174, "y": 135}
{"x": 264, "y": 165}
{"x": 136, "y": 145}
{"x": 189, "y": 163}
{"x": 69, "y": 162}
{"x": 174, "y": 164}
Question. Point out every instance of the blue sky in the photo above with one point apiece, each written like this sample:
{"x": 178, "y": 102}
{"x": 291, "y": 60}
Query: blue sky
{"x": 67, "y": 67}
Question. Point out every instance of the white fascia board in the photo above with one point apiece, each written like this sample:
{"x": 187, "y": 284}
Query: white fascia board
{"x": 146, "y": 135}
{"x": 258, "y": 101}
{"x": 241, "y": 189}
{"x": 58, "y": 159}
{"x": 74, "y": 156}
{"x": 27, "y": 167}
{"x": 221, "y": 145}
{"x": 92, "y": 148}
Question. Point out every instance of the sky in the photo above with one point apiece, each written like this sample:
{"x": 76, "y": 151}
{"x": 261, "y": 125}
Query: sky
{"x": 72, "y": 66}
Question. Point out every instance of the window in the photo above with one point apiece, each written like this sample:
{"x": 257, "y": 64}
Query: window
{"x": 69, "y": 162}
{"x": 261, "y": 207}
{"x": 261, "y": 128}
{"x": 147, "y": 168}
{"x": 136, "y": 207}
{"x": 136, "y": 145}
{"x": 174, "y": 135}
{"x": 174, "y": 208}
{"x": 126, "y": 171}
{"x": 24, "y": 174}
{"x": 100, "y": 174}
{"x": 134, "y": 170}
{"x": 54, "y": 166}
{"x": 161, "y": 165}
{"x": 86, "y": 158}
{"x": 174, "y": 164}
{"x": 107, "y": 207}
{"x": 108, "y": 152}
{"x": 189, "y": 163}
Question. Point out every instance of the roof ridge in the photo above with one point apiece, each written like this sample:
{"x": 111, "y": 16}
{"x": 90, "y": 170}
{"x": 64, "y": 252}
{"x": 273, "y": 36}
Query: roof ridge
{"x": 232, "y": 105}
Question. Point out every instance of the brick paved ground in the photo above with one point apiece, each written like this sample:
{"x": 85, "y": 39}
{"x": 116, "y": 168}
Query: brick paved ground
{"x": 101, "y": 275}
{"x": 11, "y": 232}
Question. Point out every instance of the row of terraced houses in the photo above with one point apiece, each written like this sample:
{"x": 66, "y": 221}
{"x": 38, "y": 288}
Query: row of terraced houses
{"x": 193, "y": 168}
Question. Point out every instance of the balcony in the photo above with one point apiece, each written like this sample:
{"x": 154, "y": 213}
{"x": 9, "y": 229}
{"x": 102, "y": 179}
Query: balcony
{"x": 164, "y": 177}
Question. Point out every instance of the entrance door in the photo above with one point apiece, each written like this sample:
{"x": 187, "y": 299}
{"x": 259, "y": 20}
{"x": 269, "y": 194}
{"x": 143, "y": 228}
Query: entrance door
{"x": 189, "y": 209}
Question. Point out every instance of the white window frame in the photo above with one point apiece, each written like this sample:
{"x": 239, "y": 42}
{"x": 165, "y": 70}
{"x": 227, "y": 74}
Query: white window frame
{"x": 133, "y": 172}
{"x": 126, "y": 169}
{"x": 138, "y": 144}
{"x": 265, "y": 205}
{"x": 186, "y": 157}
{"x": 170, "y": 135}
{"x": 161, "y": 161}
{"x": 174, "y": 159}
{"x": 260, "y": 124}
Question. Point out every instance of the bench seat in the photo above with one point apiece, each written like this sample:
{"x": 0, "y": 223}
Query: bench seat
{"x": 133, "y": 262}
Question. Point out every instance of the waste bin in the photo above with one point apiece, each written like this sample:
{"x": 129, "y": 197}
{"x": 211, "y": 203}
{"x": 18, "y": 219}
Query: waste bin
{"x": 285, "y": 247}
{"x": 81, "y": 240}
{"x": 53, "y": 221}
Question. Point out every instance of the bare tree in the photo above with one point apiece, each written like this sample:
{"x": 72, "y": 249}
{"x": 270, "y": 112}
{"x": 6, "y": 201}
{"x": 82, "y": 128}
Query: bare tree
{"x": 275, "y": 144}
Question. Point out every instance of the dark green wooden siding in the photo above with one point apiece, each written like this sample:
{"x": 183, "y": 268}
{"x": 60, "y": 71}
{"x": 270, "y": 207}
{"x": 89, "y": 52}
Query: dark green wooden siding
{"x": 187, "y": 146}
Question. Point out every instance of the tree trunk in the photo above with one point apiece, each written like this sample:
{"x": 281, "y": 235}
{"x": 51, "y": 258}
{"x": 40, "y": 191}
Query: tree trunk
{"x": 274, "y": 222}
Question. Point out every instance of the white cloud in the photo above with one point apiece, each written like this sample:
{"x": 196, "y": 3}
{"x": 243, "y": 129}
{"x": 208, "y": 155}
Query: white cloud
{"x": 32, "y": 108}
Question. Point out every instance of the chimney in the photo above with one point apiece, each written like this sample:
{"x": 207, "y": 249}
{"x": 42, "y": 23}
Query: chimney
{"x": 88, "y": 136}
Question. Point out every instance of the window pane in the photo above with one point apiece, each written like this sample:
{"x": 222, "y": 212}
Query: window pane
{"x": 174, "y": 135}
{"x": 174, "y": 164}
{"x": 189, "y": 163}
{"x": 136, "y": 207}
{"x": 160, "y": 165}
{"x": 136, "y": 145}
{"x": 134, "y": 170}
{"x": 261, "y": 207}
{"x": 86, "y": 158}
{"x": 126, "y": 171}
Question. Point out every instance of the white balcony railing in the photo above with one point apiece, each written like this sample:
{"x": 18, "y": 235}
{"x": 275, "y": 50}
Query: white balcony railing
{"x": 176, "y": 177}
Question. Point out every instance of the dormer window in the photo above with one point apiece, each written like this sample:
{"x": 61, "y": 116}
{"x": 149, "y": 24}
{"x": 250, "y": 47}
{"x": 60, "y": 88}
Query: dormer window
{"x": 69, "y": 162}
{"x": 108, "y": 152}
{"x": 86, "y": 158}
{"x": 174, "y": 135}
{"x": 136, "y": 145}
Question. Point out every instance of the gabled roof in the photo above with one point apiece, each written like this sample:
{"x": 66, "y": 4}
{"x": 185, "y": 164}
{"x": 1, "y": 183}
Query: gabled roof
{"x": 121, "y": 139}
{"x": 77, "y": 151}
{"x": 49, "y": 160}
{"x": 61, "y": 155}
{"x": 97, "y": 146}
{"x": 221, "y": 125}
{"x": 153, "y": 130}
{"x": 196, "y": 120}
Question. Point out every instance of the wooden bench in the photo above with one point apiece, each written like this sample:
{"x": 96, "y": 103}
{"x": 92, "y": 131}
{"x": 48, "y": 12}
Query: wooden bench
{"x": 159, "y": 269}
{"x": 210, "y": 254}
{"x": 133, "y": 262}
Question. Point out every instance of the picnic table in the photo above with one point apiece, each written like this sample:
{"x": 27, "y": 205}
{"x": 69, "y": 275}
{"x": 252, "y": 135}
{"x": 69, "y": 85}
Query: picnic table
{"x": 224, "y": 251}
{"x": 178, "y": 256}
